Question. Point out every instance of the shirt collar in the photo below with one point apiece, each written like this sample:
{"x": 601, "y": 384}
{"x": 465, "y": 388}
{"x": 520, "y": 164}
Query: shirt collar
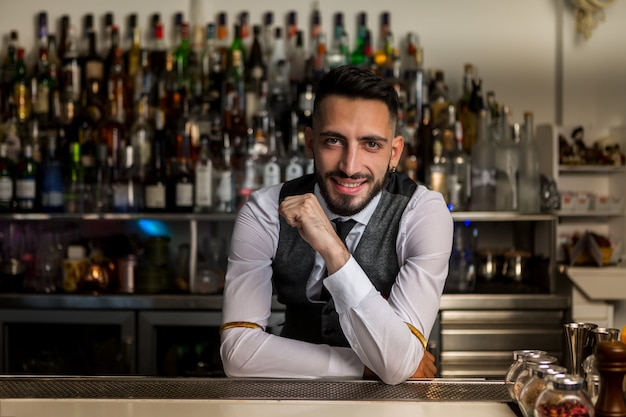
{"x": 362, "y": 216}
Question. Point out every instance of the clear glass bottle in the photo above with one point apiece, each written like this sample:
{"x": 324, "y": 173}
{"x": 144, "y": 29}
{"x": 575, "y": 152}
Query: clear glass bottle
{"x": 52, "y": 179}
{"x": 204, "y": 180}
{"x": 459, "y": 189}
{"x": 529, "y": 177}
{"x": 536, "y": 385}
{"x": 564, "y": 396}
{"x": 524, "y": 375}
{"x": 7, "y": 182}
{"x": 483, "y": 168}
{"x": 26, "y": 181}
{"x": 517, "y": 366}
{"x": 506, "y": 163}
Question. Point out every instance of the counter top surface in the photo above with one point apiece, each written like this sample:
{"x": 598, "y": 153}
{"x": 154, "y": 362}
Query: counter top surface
{"x": 139, "y": 396}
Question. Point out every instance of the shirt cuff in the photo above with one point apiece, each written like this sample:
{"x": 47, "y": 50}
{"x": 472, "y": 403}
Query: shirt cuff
{"x": 348, "y": 286}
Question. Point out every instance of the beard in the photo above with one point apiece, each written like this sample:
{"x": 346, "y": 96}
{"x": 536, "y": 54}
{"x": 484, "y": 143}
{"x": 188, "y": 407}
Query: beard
{"x": 347, "y": 205}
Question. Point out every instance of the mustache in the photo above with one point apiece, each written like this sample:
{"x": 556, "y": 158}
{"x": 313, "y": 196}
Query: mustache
{"x": 341, "y": 174}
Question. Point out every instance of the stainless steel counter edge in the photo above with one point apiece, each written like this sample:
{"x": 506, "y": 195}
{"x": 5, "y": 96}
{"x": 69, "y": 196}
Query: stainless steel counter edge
{"x": 214, "y": 302}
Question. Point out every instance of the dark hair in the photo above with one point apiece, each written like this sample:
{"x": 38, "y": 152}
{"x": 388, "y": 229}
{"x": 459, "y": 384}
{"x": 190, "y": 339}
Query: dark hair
{"x": 353, "y": 82}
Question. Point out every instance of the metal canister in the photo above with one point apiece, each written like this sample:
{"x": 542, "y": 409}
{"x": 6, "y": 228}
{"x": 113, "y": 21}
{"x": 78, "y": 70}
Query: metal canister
{"x": 126, "y": 274}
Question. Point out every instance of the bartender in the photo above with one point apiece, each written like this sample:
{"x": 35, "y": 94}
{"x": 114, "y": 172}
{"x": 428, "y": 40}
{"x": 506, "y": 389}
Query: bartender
{"x": 357, "y": 252}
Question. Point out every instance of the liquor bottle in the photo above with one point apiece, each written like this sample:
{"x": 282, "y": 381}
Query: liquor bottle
{"x": 55, "y": 67}
{"x": 113, "y": 133}
{"x": 212, "y": 72}
{"x": 483, "y": 168}
{"x": 278, "y": 77}
{"x": 183, "y": 176}
{"x": 465, "y": 114}
{"x": 132, "y": 56}
{"x": 320, "y": 61}
{"x": 71, "y": 62}
{"x": 225, "y": 190}
{"x": 117, "y": 87}
{"x": 529, "y": 177}
{"x": 316, "y": 27}
{"x": 204, "y": 181}
{"x": 63, "y": 36}
{"x": 249, "y": 177}
{"x": 90, "y": 116}
{"x": 255, "y": 68}
{"x": 459, "y": 175}
{"x": 111, "y": 39}
{"x": 158, "y": 50}
{"x": 291, "y": 33}
{"x": 338, "y": 53}
{"x": 181, "y": 60}
{"x": 438, "y": 170}
{"x": 7, "y": 182}
{"x": 298, "y": 61}
{"x": 93, "y": 66}
{"x": 270, "y": 162}
{"x": 83, "y": 47}
{"x": 414, "y": 78}
{"x": 74, "y": 195}
{"x": 156, "y": 184}
{"x": 26, "y": 181}
{"x": 222, "y": 38}
{"x": 295, "y": 156}
{"x": 127, "y": 191}
{"x": 384, "y": 52}
{"x": 102, "y": 193}
{"x": 7, "y": 71}
{"x": 141, "y": 136}
{"x": 506, "y": 163}
{"x": 244, "y": 23}
{"x": 42, "y": 83}
{"x": 359, "y": 56}
{"x": 438, "y": 99}
{"x": 12, "y": 133}
{"x": 145, "y": 83}
{"x": 52, "y": 184}
{"x": 267, "y": 35}
{"x": 21, "y": 88}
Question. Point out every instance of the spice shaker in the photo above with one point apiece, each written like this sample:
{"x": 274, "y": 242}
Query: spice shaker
{"x": 564, "y": 397}
{"x": 517, "y": 367}
{"x": 536, "y": 385}
{"x": 524, "y": 375}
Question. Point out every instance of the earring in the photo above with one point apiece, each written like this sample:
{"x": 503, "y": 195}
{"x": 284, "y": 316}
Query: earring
{"x": 393, "y": 169}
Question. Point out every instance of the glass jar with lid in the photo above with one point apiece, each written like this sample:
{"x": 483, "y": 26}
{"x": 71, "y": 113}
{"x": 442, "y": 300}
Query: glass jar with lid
{"x": 524, "y": 374}
{"x": 516, "y": 367}
{"x": 536, "y": 385}
{"x": 564, "y": 396}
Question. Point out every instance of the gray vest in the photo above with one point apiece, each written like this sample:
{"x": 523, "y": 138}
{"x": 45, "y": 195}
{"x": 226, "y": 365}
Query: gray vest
{"x": 375, "y": 253}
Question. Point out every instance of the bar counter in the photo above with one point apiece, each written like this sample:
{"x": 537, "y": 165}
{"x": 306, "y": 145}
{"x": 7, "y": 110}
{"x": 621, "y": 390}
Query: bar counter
{"x": 25, "y": 396}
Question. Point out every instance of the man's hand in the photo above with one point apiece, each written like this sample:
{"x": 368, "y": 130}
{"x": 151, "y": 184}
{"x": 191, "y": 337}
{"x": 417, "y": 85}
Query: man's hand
{"x": 426, "y": 368}
{"x": 305, "y": 213}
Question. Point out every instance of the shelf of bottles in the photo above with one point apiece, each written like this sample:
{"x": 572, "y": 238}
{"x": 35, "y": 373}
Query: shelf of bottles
{"x": 123, "y": 127}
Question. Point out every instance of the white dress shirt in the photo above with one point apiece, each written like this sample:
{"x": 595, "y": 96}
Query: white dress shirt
{"x": 375, "y": 327}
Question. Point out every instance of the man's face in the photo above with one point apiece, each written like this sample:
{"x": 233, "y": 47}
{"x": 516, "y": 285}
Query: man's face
{"x": 353, "y": 146}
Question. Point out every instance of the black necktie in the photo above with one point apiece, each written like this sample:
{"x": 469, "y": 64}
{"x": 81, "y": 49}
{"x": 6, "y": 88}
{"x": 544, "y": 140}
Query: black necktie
{"x": 343, "y": 228}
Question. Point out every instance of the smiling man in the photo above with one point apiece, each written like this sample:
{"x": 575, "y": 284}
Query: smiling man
{"x": 363, "y": 307}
